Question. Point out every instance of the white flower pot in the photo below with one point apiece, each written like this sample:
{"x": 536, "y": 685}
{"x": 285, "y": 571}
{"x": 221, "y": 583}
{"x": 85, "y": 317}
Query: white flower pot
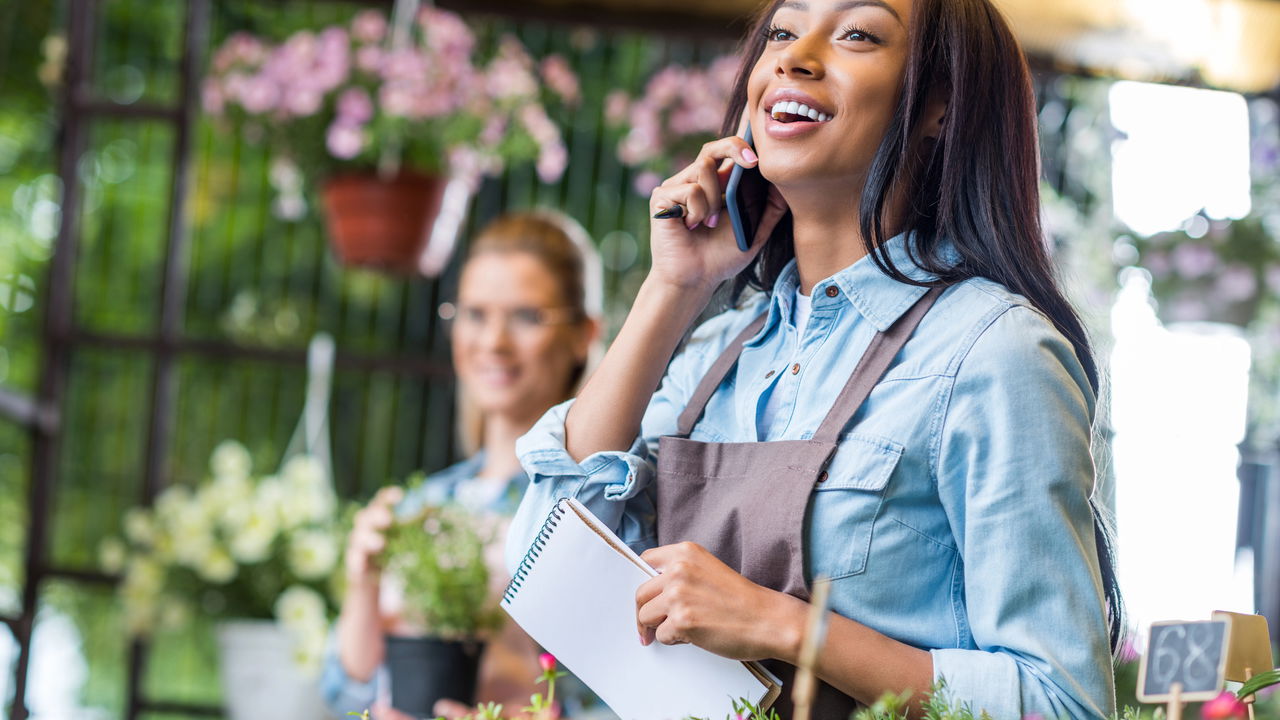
{"x": 260, "y": 678}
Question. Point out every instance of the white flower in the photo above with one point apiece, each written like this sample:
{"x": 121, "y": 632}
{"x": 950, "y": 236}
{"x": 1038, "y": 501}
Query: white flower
{"x": 139, "y": 528}
{"x": 308, "y": 652}
{"x": 230, "y": 458}
{"x": 304, "y": 471}
{"x": 192, "y": 536}
{"x": 112, "y": 555}
{"x": 143, "y": 576}
{"x": 300, "y": 609}
{"x": 218, "y": 567}
{"x": 312, "y": 554}
{"x": 251, "y": 529}
{"x": 270, "y": 496}
{"x": 170, "y": 502}
{"x": 223, "y": 493}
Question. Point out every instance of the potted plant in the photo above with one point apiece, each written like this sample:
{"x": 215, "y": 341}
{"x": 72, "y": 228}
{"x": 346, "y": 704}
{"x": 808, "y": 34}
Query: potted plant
{"x": 256, "y": 553}
{"x": 382, "y": 118}
{"x": 435, "y": 575}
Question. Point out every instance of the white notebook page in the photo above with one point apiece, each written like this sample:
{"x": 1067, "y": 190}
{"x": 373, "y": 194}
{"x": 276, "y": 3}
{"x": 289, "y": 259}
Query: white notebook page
{"x": 577, "y": 600}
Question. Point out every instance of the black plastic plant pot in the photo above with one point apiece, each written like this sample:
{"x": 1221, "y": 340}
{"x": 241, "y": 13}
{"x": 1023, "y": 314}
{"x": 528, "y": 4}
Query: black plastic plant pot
{"x": 424, "y": 670}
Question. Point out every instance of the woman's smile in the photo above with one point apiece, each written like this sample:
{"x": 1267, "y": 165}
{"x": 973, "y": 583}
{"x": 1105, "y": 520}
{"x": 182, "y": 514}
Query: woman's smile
{"x": 790, "y": 113}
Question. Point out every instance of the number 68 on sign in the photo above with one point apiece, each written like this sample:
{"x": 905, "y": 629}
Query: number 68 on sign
{"x": 1185, "y": 660}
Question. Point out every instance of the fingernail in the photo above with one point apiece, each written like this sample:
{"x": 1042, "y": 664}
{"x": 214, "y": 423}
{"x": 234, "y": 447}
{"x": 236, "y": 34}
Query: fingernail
{"x": 750, "y": 156}
{"x": 690, "y": 223}
{"x": 713, "y": 220}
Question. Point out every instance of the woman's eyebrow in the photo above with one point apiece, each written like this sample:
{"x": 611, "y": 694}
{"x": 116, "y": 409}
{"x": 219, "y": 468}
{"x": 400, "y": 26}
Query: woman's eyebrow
{"x": 847, "y": 5}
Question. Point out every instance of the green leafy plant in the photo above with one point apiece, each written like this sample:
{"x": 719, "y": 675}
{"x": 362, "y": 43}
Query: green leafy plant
{"x": 435, "y": 557}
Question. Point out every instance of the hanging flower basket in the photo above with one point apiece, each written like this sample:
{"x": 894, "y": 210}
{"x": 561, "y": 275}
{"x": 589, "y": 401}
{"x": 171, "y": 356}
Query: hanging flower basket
{"x": 381, "y": 223}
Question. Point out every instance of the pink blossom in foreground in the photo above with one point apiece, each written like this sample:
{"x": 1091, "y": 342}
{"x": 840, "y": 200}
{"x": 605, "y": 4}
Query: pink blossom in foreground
{"x": 547, "y": 662}
{"x": 1226, "y": 705}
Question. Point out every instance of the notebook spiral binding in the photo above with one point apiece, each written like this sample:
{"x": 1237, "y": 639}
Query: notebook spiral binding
{"x": 539, "y": 542}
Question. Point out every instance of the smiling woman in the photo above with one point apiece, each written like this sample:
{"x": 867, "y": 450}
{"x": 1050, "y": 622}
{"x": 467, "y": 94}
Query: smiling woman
{"x": 903, "y": 406}
{"x": 522, "y": 332}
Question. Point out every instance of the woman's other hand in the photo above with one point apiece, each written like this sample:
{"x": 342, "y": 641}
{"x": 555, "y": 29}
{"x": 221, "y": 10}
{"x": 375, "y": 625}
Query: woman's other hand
{"x": 368, "y": 535}
{"x": 698, "y": 599}
{"x": 699, "y": 250}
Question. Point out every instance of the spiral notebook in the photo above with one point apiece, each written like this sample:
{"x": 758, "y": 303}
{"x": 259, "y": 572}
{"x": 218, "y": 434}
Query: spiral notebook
{"x": 574, "y": 593}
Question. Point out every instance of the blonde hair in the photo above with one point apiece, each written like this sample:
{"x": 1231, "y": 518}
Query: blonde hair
{"x": 565, "y": 249}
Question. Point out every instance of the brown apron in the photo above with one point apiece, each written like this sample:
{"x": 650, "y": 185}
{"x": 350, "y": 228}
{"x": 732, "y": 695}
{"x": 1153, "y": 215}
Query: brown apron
{"x": 747, "y": 502}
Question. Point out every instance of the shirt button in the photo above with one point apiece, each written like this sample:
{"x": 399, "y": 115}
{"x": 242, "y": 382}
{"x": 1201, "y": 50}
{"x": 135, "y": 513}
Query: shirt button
{"x": 768, "y": 375}
{"x": 795, "y": 369}
{"x": 822, "y": 476}
{"x": 832, "y": 291}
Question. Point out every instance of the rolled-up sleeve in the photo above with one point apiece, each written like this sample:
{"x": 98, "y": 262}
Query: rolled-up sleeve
{"x": 616, "y": 486}
{"x": 342, "y": 693}
{"x": 1014, "y": 475}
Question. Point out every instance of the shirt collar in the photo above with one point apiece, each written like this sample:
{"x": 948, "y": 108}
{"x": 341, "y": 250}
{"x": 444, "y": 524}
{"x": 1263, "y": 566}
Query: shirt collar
{"x": 876, "y": 296}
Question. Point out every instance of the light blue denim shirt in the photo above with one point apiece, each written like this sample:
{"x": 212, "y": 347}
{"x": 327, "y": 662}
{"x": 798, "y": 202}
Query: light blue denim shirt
{"x": 956, "y": 514}
{"x": 343, "y": 693}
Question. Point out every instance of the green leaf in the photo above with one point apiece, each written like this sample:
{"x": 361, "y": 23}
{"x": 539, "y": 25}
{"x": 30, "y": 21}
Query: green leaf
{"x": 1258, "y": 682}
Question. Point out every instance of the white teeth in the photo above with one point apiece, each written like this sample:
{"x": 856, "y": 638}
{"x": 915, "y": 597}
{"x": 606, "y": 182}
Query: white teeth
{"x": 796, "y": 108}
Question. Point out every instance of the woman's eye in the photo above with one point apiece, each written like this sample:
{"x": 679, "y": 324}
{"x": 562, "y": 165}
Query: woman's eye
{"x": 859, "y": 35}
{"x": 777, "y": 34}
{"x": 526, "y": 318}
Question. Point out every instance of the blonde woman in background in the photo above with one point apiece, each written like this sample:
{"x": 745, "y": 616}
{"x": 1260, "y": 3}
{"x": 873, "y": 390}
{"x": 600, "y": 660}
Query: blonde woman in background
{"x": 522, "y": 336}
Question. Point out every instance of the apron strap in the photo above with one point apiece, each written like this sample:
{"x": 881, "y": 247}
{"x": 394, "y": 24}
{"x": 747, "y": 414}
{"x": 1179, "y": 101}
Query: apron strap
{"x": 719, "y": 370}
{"x": 872, "y": 367}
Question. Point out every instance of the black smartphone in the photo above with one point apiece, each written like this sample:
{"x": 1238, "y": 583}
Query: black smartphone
{"x": 744, "y": 197}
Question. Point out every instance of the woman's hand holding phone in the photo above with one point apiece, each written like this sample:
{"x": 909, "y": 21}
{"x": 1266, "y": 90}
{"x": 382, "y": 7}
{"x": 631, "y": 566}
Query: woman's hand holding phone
{"x": 698, "y": 250}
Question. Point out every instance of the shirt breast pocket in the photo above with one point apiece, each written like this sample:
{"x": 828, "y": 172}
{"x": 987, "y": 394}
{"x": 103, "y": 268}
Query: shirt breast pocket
{"x": 847, "y": 503}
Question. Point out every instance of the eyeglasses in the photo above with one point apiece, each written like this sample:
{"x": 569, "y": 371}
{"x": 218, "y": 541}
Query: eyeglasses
{"x": 518, "y": 320}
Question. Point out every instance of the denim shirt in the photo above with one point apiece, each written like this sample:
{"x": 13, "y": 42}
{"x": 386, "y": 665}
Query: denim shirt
{"x": 343, "y": 693}
{"x": 955, "y": 517}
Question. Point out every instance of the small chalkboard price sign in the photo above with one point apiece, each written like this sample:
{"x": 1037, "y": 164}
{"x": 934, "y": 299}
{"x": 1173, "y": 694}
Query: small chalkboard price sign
{"x": 1184, "y": 661}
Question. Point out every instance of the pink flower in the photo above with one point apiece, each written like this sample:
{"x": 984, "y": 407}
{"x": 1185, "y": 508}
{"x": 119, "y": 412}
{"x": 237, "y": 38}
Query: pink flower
{"x": 369, "y": 26}
{"x": 617, "y": 105}
{"x": 354, "y": 106}
{"x": 258, "y": 95}
{"x": 560, "y": 78}
{"x": 646, "y": 181}
{"x": 345, "y": 141}
{"x": 1226, "y": 705}
{"x": 302, "y": 102}
{"x": 397, "y": 99}
{"x": 547, "y": 662}
{"x": 552, "y": 162}
{"x": 369, "y": 58}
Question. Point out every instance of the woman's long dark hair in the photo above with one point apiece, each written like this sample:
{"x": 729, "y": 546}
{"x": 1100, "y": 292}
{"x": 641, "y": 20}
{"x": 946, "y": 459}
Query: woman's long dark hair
{"x": 976, "y": 187}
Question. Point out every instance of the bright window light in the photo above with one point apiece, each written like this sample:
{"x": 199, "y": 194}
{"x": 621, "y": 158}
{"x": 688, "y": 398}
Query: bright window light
{"x": 1182, "y": 150}
{"x": 1178, "y": 409}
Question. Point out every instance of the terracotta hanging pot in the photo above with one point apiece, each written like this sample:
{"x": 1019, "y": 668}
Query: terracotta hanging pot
{"x": 381, "y": 223}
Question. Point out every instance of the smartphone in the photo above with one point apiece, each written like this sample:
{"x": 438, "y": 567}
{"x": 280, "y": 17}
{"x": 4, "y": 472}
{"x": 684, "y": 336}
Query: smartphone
{"x": 744, "y": 198}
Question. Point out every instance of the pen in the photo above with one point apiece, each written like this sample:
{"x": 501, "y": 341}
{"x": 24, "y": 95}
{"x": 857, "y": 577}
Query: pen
{"x": 675, "y": 211}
